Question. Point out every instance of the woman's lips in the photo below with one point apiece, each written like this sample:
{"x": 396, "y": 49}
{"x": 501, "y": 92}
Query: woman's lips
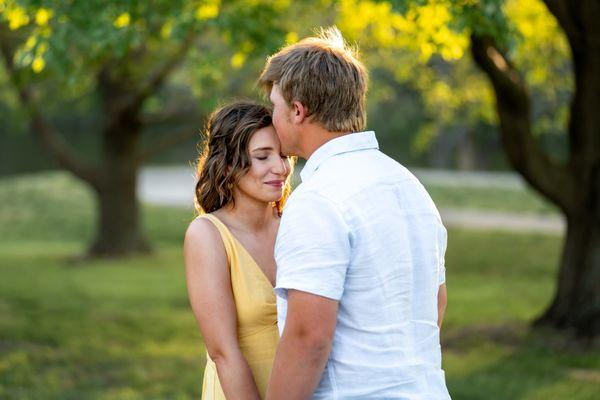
{"x": 276, "y": 184}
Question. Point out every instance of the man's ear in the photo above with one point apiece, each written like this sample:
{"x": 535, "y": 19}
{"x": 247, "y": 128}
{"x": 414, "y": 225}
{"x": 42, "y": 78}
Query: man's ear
{"x": 300, "y": 112}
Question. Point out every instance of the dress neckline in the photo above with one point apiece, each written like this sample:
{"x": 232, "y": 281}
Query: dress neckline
{"x": 260, "y": 271}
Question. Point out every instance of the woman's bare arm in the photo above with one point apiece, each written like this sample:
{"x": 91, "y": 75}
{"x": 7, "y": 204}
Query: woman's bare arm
{"x": 209, "y": 291}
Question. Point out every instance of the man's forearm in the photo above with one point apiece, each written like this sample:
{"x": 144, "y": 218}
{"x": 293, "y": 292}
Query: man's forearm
{"x": 298, "y": 366}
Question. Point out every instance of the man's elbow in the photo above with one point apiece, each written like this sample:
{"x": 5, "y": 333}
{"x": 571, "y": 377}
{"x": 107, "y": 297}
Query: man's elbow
{"x": 314, "y": 342}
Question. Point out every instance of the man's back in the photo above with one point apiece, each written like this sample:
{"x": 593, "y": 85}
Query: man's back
{"x": 384, "y": 264}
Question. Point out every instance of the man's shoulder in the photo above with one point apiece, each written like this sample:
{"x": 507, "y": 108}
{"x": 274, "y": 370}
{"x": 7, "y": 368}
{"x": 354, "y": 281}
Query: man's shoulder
{"x": 308, "y": 195}
{"x": 356, "y": 171}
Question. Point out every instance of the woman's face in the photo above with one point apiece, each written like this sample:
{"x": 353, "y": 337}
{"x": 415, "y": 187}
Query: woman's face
{"x": 268, "y": 171}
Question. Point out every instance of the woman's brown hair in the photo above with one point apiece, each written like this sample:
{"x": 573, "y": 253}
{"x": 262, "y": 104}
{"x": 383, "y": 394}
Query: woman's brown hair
{"x": 225, "y": 158}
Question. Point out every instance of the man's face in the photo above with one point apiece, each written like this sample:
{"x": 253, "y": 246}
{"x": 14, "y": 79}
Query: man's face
{"x": 282, "y": 121}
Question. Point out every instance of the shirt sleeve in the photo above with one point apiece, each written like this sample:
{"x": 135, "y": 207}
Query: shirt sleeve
{"x": 443, "y": 244}
{"x": 312, "y": 250}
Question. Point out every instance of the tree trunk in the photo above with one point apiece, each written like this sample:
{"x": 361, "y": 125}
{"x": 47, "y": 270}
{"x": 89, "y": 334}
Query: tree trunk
{"x": 576, "y": 304}
{"x": 574, "y": 186}
{"x": 122, "y": 94}
{"x": 118, "y": 221}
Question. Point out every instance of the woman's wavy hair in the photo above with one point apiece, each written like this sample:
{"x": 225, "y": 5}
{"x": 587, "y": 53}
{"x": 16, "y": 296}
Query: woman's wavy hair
{"x": 225, "y": 157}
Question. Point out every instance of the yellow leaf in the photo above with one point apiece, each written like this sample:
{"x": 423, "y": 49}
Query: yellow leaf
{"x": 122, "y": 20}
{"x": 207, "y": 11}
{"x": 166, "y": 29}
{"x": 31, "y": 41}
{"x": 38, "y": 65}
{"x": 291, "y": 37}
{"x": 42, "y": 16}
{"x": 16, "y": 18}
{"x": 426, "y": 51}
{"x": 238, "y": 60}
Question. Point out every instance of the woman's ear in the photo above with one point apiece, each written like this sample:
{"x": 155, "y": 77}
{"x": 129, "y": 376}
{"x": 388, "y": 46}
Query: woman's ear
{"x": 300, "y": 112}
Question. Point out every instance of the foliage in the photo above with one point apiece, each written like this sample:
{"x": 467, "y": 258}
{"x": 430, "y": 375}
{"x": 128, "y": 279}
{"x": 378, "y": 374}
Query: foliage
{"x": 75, "y": 37}
{"x": 63, "y": 47}
{"x": 426, "y": 44}
{"x": 422, "y": 45}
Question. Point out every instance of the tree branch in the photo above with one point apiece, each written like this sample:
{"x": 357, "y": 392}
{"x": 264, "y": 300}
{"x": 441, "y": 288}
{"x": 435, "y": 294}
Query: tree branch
{"x": 514, "y": 110}
{"x": 157, "y": 77}
{"x": 49, "y": 140}
{"x": 583, "y": 32}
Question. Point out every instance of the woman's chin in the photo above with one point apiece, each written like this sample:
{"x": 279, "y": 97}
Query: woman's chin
{"x": 272, "y": 199}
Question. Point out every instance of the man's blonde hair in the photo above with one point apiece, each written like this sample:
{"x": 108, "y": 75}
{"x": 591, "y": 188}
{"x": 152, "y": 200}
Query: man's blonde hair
{"x": 324, "y": 74}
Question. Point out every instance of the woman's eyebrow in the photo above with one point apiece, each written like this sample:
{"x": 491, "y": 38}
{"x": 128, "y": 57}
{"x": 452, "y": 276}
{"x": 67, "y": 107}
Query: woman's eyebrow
{"x": 262, "y": 148}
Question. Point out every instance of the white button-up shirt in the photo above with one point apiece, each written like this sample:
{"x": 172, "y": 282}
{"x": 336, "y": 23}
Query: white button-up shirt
{"x": 362, "y": 230}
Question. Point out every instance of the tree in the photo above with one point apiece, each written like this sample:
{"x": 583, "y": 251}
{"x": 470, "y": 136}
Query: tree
{"x": 574, "y": 185}
{"x": 120, "y": 53}
{"x": 432, "y": 37}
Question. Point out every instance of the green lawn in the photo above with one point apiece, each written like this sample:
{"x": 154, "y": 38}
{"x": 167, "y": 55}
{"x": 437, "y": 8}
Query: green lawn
{"x": 490, "y": 198}
{"x": 123, "y": 329}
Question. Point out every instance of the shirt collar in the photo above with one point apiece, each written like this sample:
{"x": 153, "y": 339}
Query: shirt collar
{"x": 343, "y": 144}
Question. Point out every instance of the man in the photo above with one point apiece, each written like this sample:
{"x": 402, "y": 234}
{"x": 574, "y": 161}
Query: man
{"x": 360, "y": 249}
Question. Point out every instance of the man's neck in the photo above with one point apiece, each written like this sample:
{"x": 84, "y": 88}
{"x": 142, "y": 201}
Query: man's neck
{"x": 315, "y": 137}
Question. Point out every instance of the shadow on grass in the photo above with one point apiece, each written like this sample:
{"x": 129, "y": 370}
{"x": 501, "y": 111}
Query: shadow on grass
{"x": 508, "y": 362}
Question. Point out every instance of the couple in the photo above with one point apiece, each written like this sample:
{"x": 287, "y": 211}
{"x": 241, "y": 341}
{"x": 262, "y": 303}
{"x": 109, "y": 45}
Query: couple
{"x": 339, "y": 294}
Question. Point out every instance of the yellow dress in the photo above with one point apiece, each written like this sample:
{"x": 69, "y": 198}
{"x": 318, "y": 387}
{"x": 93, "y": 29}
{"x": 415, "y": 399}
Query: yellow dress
{"x": 256, "y": 316}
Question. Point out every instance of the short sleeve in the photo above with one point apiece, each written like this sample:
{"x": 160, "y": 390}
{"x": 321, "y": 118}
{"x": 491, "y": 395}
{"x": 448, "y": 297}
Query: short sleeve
{"x": 442, "y": 245}
{"x": 312, "y": 250}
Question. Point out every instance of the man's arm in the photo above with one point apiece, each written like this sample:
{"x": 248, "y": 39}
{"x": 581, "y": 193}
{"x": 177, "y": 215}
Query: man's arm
{"x": 442, "y": 302}
{"x": 304, "y": 346}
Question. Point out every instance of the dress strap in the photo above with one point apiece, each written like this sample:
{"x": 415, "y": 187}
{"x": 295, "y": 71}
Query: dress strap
{"x": 226, "y": 237}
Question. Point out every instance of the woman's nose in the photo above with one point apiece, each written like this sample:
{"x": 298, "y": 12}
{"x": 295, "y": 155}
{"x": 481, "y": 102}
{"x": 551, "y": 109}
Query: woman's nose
{"x": 281, "y": 167}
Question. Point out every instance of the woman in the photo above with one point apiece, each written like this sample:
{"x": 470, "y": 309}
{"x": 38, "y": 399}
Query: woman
{"x": 243, "y": 181}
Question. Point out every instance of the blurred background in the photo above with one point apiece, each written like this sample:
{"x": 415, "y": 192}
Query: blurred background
{"x": 494, "y": 104}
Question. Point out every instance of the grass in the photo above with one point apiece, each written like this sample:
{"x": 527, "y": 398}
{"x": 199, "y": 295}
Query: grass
{"x": 490, "y": 198}
{"x": 123, "y": 329}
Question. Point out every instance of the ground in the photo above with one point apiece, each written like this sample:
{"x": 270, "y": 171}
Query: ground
{"x": 123, "y": 328}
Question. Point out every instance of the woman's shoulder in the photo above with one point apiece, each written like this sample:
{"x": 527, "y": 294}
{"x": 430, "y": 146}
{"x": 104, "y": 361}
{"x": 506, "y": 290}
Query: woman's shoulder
{"x": 202, "y": 231}
{"x": 203, "y": 247}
